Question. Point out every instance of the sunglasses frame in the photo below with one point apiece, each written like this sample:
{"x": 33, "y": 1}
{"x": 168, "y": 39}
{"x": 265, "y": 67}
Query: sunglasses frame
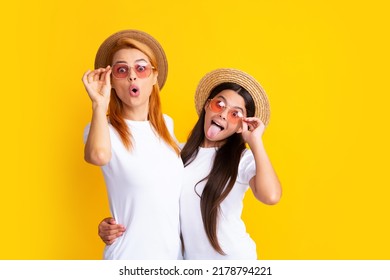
{"x": 230, "y": 117}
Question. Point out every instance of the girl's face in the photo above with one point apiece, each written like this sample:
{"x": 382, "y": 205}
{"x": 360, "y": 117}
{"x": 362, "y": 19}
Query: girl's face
{"x": 135, "y": 88}
{"x": 223, "y": 117}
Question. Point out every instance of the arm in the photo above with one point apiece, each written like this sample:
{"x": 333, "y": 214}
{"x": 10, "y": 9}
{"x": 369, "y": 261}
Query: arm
{"x": 97, "y": 149}
{"x": 109, "y": 230}
{"x": 265, "y": 184}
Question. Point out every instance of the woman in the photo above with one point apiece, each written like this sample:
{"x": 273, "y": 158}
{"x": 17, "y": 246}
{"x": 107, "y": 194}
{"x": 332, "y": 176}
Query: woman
{"x": 233, "y": 110}
{"x": 133, "y": 142}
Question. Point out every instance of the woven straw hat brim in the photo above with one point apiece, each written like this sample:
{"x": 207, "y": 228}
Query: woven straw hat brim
{"x": 153, "y": 44}
{"x": 224, "y": 75}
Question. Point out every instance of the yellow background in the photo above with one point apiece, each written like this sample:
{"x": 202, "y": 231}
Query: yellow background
{"x": 324, "y": 65}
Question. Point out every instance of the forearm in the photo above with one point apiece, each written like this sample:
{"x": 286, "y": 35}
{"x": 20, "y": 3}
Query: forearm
{"x": 265, "y": 185}
{"x": 98, "y": 146}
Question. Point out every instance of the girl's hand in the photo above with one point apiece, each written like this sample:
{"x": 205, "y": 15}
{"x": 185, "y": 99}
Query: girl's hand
{"x": 98, "y": 85}
{"x": 109, "y": 230}
{"x": 252, "y": 130}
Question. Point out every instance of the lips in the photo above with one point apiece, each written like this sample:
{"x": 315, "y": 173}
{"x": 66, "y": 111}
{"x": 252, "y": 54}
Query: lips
{"x": 134, "y": 91}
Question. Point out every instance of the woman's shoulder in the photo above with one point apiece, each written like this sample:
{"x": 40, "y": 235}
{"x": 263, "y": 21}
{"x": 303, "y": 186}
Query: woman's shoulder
{"x": 167, "y": 118}
{"x": 169, "y": 124}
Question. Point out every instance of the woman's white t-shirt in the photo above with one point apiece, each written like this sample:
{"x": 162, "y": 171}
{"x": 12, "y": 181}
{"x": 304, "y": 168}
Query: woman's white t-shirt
{"x": 143, "y": 188}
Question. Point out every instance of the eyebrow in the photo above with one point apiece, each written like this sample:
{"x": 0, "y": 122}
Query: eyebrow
{"x": 136, "y": 61}
{"x": 236, "y": 107}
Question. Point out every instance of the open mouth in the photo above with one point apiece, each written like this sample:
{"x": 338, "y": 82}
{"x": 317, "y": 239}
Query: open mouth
{"x": 214, "y": 130}
{"x": 218, "y": 125}
{"x": 134, "y": 90}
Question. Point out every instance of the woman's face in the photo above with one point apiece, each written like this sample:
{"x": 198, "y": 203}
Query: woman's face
{"x": 223, "y": 117}
{"x": 135, "y": 88}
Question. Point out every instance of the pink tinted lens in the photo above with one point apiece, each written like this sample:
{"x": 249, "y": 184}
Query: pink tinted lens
{"x": 120, "y": 71}
{"x": 234, "y": 116}
{"x": 142, "y": 71}
{"x": 215, "y": 106}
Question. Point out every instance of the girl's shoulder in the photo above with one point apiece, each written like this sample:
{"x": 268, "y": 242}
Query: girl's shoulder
{"x": 246, "y": 154}
{"x": 246, "y": 167}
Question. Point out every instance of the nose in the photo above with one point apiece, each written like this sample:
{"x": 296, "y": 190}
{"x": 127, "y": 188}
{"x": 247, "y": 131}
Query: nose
{"x": 224, "y": 113}
{"x": 132, "y": 75}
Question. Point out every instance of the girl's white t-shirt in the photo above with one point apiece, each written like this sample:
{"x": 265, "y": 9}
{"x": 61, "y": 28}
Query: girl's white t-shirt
{"x": 231, "y": 230}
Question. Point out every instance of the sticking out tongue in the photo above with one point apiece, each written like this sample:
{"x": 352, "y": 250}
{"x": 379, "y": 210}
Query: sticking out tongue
{"x": 213, "y": 130}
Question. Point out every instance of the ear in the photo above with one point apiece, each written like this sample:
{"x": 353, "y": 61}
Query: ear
{"x": 155, "y": 78}
{"x": 239, "y": 130}
{"x": 206, "y": 104}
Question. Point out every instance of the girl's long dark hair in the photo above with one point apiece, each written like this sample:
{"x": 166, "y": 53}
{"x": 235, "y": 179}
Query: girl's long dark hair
{"x": 223, "y": 174}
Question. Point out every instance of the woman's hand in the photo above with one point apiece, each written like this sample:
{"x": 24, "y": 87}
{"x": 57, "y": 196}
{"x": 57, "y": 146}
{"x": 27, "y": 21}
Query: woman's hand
{"x": 98, "y": 85}
{"x": 109, "y": 230}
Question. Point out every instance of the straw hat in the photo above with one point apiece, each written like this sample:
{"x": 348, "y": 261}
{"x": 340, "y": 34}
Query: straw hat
{"x": 105, "y": 47}
{"x": 228, "y": 75}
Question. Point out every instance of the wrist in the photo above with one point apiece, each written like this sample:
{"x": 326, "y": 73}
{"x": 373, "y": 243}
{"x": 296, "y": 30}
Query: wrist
{"x": 257, "y": 146}
{"x": 99, "y": 107}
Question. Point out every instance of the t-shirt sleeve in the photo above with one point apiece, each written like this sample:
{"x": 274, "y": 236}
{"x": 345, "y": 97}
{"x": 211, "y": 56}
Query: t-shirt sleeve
{"x": 246, "y": 168}
{"x": 86, "y": 132}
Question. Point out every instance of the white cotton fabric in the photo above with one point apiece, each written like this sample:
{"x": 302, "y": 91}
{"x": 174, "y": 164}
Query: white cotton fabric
{"x": 231, "y": 231}
{"x": 143, "y": 188}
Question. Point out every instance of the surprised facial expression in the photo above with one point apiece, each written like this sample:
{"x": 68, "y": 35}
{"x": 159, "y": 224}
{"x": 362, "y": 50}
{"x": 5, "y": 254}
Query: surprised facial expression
{"x": 135, "y": 88}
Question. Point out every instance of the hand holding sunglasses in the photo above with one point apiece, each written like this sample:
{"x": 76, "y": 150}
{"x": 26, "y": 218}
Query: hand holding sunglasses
{"x": 98, "y": 85}
{"x": 252, "y": 130}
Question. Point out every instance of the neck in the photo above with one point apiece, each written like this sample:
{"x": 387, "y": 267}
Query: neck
{"x": 137, "y": 114}
{"x": 212, "y": 144}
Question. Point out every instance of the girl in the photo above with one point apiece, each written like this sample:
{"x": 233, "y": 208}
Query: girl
{"x": 233, "y": 110}
{"x": 132, "y": 141}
